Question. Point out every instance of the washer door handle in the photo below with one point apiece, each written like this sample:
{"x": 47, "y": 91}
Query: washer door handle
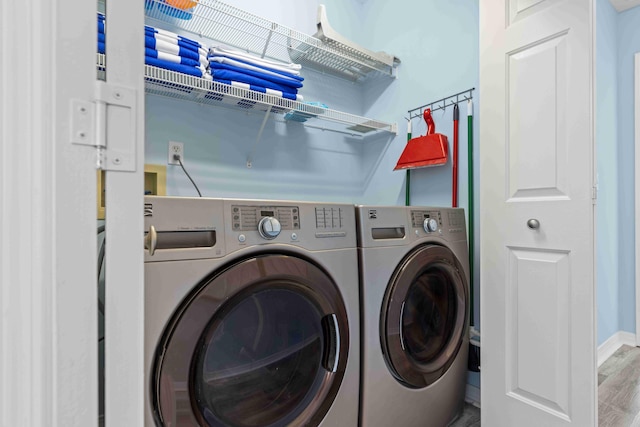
{"x": 400, "y": 328}
{"x": 332, "y": 340}
{"x": 151, "y": 240}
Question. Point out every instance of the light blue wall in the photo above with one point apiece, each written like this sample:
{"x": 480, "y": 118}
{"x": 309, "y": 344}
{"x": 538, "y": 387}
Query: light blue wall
{"x": 628, "y": 45}
{"x": 607, "y": 169}
{"x": 438, "y": 44}
{"x": 290, "y": 161}
{"x": 618, "y": 39}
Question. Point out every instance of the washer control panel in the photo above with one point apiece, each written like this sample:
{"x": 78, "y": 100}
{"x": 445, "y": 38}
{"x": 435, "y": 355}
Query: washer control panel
{"x": 247, "y": 218}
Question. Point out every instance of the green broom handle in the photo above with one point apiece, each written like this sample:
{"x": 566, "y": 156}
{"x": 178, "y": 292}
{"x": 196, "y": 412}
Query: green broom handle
{"x": 407, "y": 196}
{"x": 471, "y": 214}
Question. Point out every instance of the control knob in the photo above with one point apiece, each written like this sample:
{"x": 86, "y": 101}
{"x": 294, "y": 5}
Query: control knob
{"x": 269, "y": 227}
{"x": 430, "y": 225}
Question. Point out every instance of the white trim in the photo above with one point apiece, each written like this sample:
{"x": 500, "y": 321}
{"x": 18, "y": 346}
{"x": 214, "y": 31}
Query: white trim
{"x": 472, "y": 395}
{"x": 615, "y": 341}
{"x": 48, "y": 314}
{"x": 637, "y": 192}
{"x": 124, "y": 222}
{"x": 622, "y": 5}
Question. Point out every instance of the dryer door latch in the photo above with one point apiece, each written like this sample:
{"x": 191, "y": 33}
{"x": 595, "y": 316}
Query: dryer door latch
{"x": 107, "y": 123}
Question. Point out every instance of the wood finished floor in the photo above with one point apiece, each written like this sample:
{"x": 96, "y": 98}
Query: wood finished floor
{"x": 470, "y": 417}
{"x": 618, "y": 392}
{"x": 619, "y": 389}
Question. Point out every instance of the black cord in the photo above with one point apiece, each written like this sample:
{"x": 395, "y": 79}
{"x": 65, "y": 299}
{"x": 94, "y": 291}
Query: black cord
{"x": 101, "y": 229}
{"x": 100, "y": 264}
{"x": 188, "y": 176}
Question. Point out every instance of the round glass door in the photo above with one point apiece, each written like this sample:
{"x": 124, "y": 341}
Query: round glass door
{"x": 424, "y": 316}
{"x": 264, "y": 343}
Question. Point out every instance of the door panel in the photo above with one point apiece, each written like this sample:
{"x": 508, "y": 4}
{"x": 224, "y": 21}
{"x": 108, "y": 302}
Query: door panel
{"x": 537, "y": 360}
{"x": 537, "y": 293}
{"x": 537, "y": 146}
{"x": 522, "y": 9}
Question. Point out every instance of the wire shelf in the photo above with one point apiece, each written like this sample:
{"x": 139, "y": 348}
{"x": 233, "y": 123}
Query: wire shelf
{"x": 220, "y": 22}
{"x": 159, "y": 81}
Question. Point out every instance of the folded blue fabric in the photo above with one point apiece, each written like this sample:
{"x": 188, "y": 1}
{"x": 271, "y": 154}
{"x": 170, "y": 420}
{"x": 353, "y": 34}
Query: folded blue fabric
{"x": 101, "y": 37}
{"x": 174, "y": 58}
{"x": 245, "y": 78}
{"x": 192, "y": 71}
{"x": 100, "y": 27}
{"x": 282, "y": 81}
{"x": 261, "y": 89}
{"x": 151, "y": 32}
{"x": 185, "y": 52}
{"x": 190, "y": 46}
{"x": 101, "y": 48}
{"x": 241, "y": 63}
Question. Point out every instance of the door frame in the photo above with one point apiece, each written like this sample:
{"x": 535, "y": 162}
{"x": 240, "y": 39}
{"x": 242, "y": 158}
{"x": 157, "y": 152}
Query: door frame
{"x": 124, "y": 99}
{"x": 637, "y": 189}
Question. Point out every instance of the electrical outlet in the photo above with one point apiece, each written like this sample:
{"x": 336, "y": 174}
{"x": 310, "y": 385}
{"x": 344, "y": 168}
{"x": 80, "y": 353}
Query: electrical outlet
{"x": 175, "y": 149}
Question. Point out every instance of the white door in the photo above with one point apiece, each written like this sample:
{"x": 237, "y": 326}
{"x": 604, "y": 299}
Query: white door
{"x": 124, "y": 207}
{"x": 537, "y": 217}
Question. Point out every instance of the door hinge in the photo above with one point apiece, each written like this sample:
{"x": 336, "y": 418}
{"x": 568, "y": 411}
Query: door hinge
{"x": 594, "y": 194}
{"x": 89, "y": 126}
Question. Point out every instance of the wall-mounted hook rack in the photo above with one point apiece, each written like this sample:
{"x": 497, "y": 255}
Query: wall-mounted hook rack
{"x": 443, "y": 103}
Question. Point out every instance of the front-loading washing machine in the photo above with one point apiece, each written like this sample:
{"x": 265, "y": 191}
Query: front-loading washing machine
{"x": 251, "y": 313}
{"x": 415, "y": 303}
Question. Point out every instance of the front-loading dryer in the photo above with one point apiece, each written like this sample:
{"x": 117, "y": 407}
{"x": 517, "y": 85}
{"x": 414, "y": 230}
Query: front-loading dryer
{"x": 251, "y": 313}
{"x": 415, "y": 302}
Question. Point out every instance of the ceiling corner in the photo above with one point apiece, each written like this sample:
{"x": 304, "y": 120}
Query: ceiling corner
{"x": 622, "y": 5}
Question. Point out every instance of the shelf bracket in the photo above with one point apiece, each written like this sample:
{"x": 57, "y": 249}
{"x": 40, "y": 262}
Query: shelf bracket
{"x": 264, "y": 122}
{"x": 274, "y": 26}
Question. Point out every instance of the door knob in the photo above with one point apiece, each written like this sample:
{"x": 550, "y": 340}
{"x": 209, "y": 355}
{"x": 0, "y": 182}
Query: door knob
{"x": 533, "y": 224}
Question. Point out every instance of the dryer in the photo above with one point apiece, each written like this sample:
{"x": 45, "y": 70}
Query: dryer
{"x": 415, "y": 303}
{"x": 251, "y": 313}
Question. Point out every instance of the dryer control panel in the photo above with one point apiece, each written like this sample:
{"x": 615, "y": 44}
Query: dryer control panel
{"x": 418, "y": 217}
{"x": 247, "y": 218}
{"x": 310, "y": 225}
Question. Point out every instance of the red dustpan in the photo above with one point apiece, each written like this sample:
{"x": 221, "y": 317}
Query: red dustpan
{"x": 425, "y": 151}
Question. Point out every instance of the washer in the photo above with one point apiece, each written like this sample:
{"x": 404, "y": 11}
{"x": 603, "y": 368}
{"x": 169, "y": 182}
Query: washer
{"x": 414, "y": 274}
{"x": 251, "y": 313}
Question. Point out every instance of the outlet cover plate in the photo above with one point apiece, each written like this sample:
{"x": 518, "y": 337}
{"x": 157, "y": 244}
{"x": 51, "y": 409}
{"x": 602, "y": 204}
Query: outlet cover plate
{"x": 175, "y": 148}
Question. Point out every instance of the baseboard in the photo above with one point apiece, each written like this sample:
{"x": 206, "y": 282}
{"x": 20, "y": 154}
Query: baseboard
{"x": 472, "y": 395}
{"x": 617, "y": 340}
